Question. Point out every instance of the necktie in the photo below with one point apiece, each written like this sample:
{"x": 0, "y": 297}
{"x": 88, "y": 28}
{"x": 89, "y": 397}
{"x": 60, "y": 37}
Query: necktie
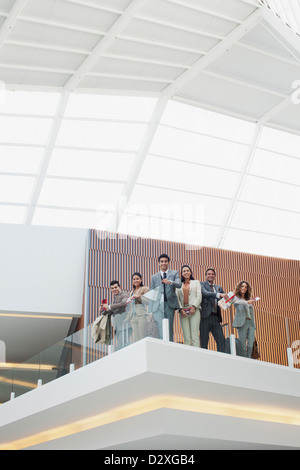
{"x": 215, "y": 302}
{"x": 165, "y": 295}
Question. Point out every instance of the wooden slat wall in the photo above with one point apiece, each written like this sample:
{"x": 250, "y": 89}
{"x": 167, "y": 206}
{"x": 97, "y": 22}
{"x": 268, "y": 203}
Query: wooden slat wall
{"x": 274, "y": 280}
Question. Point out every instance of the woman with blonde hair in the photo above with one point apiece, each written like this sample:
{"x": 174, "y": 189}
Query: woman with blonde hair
{"x": 244, "y": 317}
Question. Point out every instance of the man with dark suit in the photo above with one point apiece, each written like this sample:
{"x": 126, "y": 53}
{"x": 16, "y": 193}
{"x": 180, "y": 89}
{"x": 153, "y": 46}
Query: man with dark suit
{"x": 164, "y": 304}
{"x": 211, "y": 317}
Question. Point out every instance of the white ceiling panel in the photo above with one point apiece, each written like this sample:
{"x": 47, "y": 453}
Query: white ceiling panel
{"x": 16, "y": 159}
{"x": 287, "y": 10}
{"x": 24, "y": 130}
{"x": 65, "y": 218}
{"x": 2, "y": 19}
{"x": 105, "y": 107}
{"x": 153, "y": 53}
{"x": 36, "y": 77}
{"x": 186, "y": 102}
{"x": 27, "y": 77}
{"x": 132, "y": 68}
{"x": 281, "y": 142}
{"x": 289, "y": 118}
{"x": 42, "y": 59}
{"x": 6, "y": 5}
{"x": 176, "y": 144}
{"x": 137, "y": 84}
{"x": 167, "y": 36}
{"x": 203, "y": 122}
{"x": 42, "y": 35}
{"x": 109, "y": 166}
{"x": 271, "y": 193}
{"x": 262, "y": 244}
{"x": 266, "y": 220}
{"x": 261, "y": 39}
{"x": 147, "y": 47}
{"x": 190, "y": 18}
{"x": 191, "y": 177}
{"x": 276, "y": 166}
{"x": 107, "y": 135}
{"x": 15, "y": 189}
{"x": 164, "y": 229}
{"x": 12, "y": 214}
{"x": 79, "y": 194}
{"x": 42, "y": 104}
{"x": 230, "y": 8}
{"x": 69, "y": 13}
{"x": 258, "y": 70}
{"x": 113, "y": 5}
{"x": 150, "y": 200}
{"x": 237, "y": 98}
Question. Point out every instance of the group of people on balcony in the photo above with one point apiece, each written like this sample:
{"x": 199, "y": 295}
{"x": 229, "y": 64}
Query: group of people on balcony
{"x": 197, "y": 303}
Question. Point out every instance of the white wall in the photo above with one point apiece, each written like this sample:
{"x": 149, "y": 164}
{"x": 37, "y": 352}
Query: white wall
{"x": 42, "y": 269}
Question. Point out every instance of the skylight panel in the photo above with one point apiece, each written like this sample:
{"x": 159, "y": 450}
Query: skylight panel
{"x": 287, "y": 10}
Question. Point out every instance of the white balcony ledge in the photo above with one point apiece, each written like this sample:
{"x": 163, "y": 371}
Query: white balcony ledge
{"x": 157, "y": 395}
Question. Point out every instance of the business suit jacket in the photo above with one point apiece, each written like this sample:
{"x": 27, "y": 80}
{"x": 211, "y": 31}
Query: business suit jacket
{"x": 208, "y": 299}
{"x": 156, "y": 283}
{"x": 241, "y": 307}
{"x": 139, "y": 305}
{"x": 118, "y": 307}
{"x": 195, "y": 295}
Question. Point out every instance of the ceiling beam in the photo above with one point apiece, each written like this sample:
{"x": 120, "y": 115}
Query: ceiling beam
{"x": 205, "y": 11}
{"x": 244, "y": 83}
{"x": 11, "y": 19}
{"x": 105, "y": 43}
{"x": 289, "y": 39}
{"x": 239, "y": 187}
{"x": 169, "y": 91}
{"x": 272, "y": 55}
{"x": 62, "y": 25}
{"x": 288, "y": 100}
{"x": 95, "y": 6}
{"x": 178, "y": 26}
{"x": 220, "y": 48}
{"x": 138, "y": 163}
{"x": 245, "y": 171}
{"x": 70, "y": 85}
{"x": 46, "y": 158}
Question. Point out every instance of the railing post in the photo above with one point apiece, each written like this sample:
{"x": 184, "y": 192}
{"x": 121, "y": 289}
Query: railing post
{"x": 165, "y": 328}
{"x": 72, "y": 368}
{"x": 39, "y": 383}
{"x": 290, "y": 357}
{"x": 232, "y": 345}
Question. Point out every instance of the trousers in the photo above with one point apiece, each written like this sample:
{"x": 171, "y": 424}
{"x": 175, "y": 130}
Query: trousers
{"x": 246, "y": 336}
{"x": 212, "y": 325}
{"x": 190, "y": 328}
{"x": 164, "y": 311}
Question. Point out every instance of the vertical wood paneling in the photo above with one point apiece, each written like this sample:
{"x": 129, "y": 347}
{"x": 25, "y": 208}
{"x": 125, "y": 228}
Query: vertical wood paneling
{"x": 275, "y": 281}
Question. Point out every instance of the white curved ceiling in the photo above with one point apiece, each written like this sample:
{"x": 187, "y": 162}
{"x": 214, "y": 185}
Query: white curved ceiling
{"x": 207, "y": 117}
{"x": 287, "y": 10}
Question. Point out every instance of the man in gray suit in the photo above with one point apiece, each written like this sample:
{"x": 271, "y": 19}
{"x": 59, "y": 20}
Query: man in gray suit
{"x": 211, "y": 317}
{"x": 165, "y": 303}
{"x": 118, "y": 309}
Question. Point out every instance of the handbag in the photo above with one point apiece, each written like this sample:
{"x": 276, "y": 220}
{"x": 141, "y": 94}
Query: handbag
{"x": 255, "y": 352}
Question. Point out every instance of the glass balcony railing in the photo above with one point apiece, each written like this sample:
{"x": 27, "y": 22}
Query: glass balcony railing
{"x": 278, "y": 341}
